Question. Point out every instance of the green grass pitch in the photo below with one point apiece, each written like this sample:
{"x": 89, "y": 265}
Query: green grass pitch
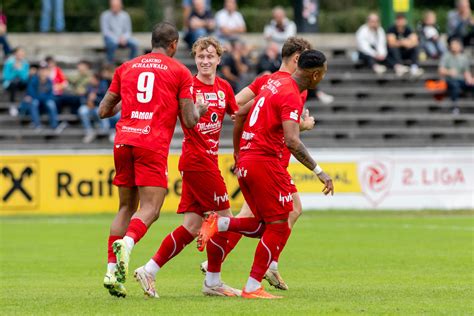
{"x": 395, "y": 263}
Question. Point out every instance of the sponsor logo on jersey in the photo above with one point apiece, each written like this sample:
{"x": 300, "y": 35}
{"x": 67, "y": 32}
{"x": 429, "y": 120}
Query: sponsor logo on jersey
{"x": 128, "y": 129}
{"x": 241, "y": 172}
{"x": 285, "y": 198}
{"x": 221, "y": 198}
{"x": 294, "y": 115}
{"x": 146, "y": 130}
{"x": 222, "y": 103}
{"x": 221, "y": 94}
{"x": 247, "y": 135}
{"x": 214, "y": 117}
{"x": 210, "y": 96}
{"x": 209, "y": 128}
{"x": 141, "y": 115}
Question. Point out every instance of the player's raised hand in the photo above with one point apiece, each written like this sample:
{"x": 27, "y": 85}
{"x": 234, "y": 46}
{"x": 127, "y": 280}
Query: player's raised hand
{"x": 327, "y": 181}
{"x": 307, "y": 122}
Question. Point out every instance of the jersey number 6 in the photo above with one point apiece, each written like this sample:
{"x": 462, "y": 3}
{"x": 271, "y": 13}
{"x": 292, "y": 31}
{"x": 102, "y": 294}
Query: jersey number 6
{"x": 256, "y": 111}
{"x": 145, "y": 87}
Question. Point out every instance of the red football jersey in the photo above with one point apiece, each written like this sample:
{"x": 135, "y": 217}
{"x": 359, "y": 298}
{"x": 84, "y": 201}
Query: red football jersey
{"x": 150, "y": 87}
{"x": 262, "y": 136}
{"x": 258, "y": 84}
{"x": 201, "y": 143}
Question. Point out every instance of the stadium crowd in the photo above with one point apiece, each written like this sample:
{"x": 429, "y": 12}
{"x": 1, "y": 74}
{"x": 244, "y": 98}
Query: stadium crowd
{"x": 399, "y": 48}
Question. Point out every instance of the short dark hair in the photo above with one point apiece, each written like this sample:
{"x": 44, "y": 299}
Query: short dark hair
{"x": 311, "y": 58}
{"x": 400, "y": 16}
{"x": 294, "y": 45}
{"x": 85, "y": 62}
{"x": 163, "y": 35}
{"x": 49, "y": 59}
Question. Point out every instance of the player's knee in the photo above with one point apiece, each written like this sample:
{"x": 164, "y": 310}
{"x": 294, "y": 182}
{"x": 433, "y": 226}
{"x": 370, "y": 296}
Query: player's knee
{"x": 193, "y": 228}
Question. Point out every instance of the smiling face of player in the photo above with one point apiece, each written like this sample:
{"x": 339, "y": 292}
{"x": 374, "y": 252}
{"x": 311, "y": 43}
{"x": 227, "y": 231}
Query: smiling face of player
{"x": 207, "y": 60}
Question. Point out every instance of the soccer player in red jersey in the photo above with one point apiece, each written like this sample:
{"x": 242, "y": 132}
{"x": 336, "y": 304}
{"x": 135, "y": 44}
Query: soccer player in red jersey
{"x": 152, "y": 89}
{"x": 291, "y": 51}
{"x": 265, "y": 183}
{"x": 203, "y": 188}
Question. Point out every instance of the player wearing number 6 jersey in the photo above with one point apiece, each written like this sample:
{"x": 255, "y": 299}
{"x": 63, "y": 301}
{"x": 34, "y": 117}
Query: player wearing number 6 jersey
{"x": 153, "y": 89}
{"x": 265, "y": 183}
{"x": 290, "y": 52}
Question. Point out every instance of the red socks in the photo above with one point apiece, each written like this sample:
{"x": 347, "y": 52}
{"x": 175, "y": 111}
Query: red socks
{"x": 136, "y": 229}
{"x": 283, "y": 244}
{"x": 274, "y": 236}
{"x": 248, "y": 226}
{"x": 110, "y": 252}
{"x": 216, "y": 251}
{"x": 232, "y": 241}
{"x": 172, "y": 245}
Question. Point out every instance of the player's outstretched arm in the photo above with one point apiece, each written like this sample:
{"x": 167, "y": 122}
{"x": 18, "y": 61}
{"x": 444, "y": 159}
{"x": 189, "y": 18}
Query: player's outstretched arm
{"x": 245, "y": 95}
{"x": 110, "y": 105}
{"x": 192, "y": 112}
{"x": 240, "y": 117}
{"x": 298, "y": 149}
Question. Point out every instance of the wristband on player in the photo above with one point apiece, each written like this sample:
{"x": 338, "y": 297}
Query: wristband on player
{"x": 317, "y": 170}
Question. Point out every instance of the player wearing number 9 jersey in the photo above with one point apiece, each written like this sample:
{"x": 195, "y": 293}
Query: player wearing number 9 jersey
{"x": 152, "y": 89}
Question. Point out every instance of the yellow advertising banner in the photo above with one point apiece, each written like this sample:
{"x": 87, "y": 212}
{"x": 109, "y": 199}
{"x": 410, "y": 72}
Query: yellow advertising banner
{"x": 82, "y": 183}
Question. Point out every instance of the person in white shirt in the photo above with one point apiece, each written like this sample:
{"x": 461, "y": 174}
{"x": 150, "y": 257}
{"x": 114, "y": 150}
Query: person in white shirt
{"x": 372, "y": 44}
{"x": 280, "y": 27}
{"x": 230, "y": 23}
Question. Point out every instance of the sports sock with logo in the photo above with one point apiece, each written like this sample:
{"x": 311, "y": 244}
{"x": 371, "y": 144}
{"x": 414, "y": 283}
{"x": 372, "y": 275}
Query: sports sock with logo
{"x": 276, "y": 257}
{"x": 247, "y": 226}
{"x": 172, "y": 245}
{"x": 232, "y": 241}
{"x": 273, "y": 237}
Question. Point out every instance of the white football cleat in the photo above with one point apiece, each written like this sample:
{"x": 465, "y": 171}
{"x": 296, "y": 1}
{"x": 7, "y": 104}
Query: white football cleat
{"x": 203, "y": 267}
{"x": 114, "y": 287}
{"x": 274, "y": 278}
{"x": 220, "y": 290}
{"x": 147, "y": 282}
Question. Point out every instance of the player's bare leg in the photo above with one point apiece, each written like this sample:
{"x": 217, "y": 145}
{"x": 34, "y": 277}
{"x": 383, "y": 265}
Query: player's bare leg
{"x": 151, "y": 200}
{"x": 128, "y": 205}
{"x": 272, "y": 275}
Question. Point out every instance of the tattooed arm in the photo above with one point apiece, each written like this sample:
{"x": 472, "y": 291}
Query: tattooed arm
{"x": 110, "y": 105}
{"x": 191, "y": 112}
{"x": 298, "y": 149}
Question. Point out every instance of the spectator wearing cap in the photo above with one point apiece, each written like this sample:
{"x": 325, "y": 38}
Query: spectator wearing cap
{"x": 403, "y": 47}
{"x": 15, "y": 73}
{"x": 229, "y": 22}
{"x": 39, "y": 98}
{"x": 200, "y": 22}
{"x": 116, "y": 27}
{"x": 372, "y": 44}
{"x": 280, "y": 28}
{"x": 461, "y": 23}
{"x": 454, "y": 67}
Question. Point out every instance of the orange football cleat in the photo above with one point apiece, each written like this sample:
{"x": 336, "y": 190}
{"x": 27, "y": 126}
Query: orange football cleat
{"x": 260, "y": 293}
{"x": 208, "y": 229}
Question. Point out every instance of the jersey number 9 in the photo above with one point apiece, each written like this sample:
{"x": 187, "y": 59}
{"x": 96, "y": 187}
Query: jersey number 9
{"x": 145, "y": 87}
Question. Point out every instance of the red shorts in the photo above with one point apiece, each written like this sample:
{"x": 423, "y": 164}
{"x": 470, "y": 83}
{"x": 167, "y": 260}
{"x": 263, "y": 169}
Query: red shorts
{"x": 136, "y": 166}
{"x": 266, "y": 187}
{"x": 203, "y": 191}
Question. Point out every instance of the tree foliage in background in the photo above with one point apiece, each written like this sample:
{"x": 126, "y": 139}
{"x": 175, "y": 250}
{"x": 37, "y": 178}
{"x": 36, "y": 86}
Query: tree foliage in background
{"x": 83, "y": 15}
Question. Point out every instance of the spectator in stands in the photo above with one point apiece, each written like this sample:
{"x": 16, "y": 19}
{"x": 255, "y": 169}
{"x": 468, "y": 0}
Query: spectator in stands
{"x": 372, "y": 44}
{"x": 15, "y": 73}
{"x": 200, "y": 22}
{"x": 280, "y": 27}
{"x": 429, "y": 34}
{"x": 40, "y": 96}
{"x": 403, "y": 46}
{"x": 76, "y": 89}
{"x": 47, "y": 7}
{"x": 235, "y": 65}
{"x": 188, "y": 7}
{"x": 88, "y": 112}
{"x": 455, "y": 68}
{"x": 270, "y": 60}
{"x": 57, "y": 76}
{"x": 229, "y": 22}
{"x": 14, "y": 110}
{"x": 3, "y": 35}
{"x": 461, "y": 23}
{"x": 116, "y": 27}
